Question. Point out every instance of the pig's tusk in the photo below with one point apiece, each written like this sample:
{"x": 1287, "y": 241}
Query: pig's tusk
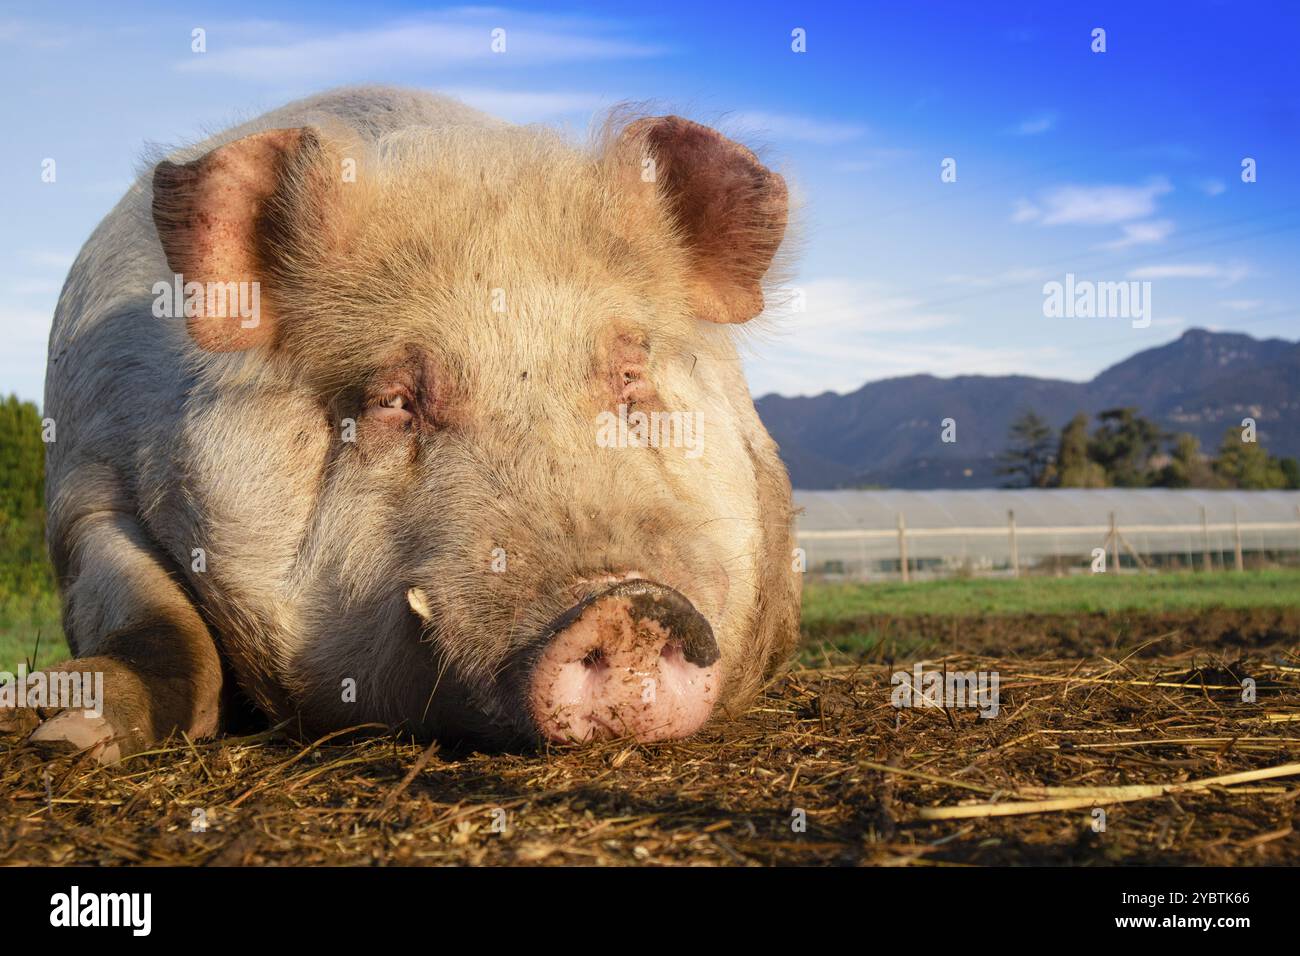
{"x": 419, "y": 604}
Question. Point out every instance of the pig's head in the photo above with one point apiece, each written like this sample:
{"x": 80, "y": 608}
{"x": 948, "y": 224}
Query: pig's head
{"x": 489, "y": 426}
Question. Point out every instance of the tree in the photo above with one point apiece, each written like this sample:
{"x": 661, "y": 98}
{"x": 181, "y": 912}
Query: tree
{"x": 1028, "y": 460}
{"x": 22, "y": 459}
{"x": 24, "y": 567}
{"x": 1123, "y": 445}
{"x": 1291, "y": 472}
{"x": 1188, "y": 467}
{"x": 1074, "y": 469}
{"x": 1245, "y": 464}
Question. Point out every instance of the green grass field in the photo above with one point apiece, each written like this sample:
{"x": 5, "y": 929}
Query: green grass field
{"x": 1078, "y": 615}
{"x": 23, "y": 617}
{"x": 1081, "y": 594}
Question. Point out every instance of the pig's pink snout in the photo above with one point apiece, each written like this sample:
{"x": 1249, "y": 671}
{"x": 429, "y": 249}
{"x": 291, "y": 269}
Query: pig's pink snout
{"x": 637, "y": 660}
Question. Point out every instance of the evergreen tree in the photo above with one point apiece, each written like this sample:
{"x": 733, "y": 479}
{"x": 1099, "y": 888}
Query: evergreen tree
{"x": 1074, "y": 469}
{"x": 1291, "y": 472}
{"x": 1243, "y": 464}
{"x": 1123, "y": 445}
{"x": 1187, "y": 467}
{"x": 24, "y": 566}
{"x": 1028, "y": 461}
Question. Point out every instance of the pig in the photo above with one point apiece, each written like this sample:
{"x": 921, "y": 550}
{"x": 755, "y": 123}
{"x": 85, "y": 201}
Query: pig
{"x": 351, "y": 404}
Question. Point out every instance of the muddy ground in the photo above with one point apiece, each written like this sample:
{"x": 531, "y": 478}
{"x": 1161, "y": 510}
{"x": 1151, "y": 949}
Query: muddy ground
{"x": 823, "y": 770}
{"x": 881, "y": 637}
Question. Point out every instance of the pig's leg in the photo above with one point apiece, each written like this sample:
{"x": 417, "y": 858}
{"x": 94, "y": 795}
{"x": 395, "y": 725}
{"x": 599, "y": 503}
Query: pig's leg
{"x": 128, "y": 618}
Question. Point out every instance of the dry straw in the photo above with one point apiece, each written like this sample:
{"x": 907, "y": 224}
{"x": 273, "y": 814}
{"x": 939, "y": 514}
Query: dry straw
{"x": 822, "y": 770}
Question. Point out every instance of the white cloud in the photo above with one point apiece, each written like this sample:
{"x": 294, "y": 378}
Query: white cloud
{"x": 1093, "y": 205}
{"x": 1243, "y": 305}
{"x": 1140, "y": 233}
{"x": 29, "y": 33}
{"x": 1213, "y": 187}
{"x": 1007, "y": 277}
{"x": 31, "y": 285}
{"x": 31, "y": 290}
{"x": 1025, "y": 211}
{"x": 1034, "y": 125}
{"x": 1202, "y": 270}
{"x": 528, "y": 106}
{"x": 855, "y": 330}
{"x": 449, "y": 40}
{"x": 49, "y": 259}
{"x": 1227, "y": 274}
{"x": 842, "y": 305}
{"x": 26, "y": 334}
{"x": 786, "y": 126}
{"x": 789, "y": 366}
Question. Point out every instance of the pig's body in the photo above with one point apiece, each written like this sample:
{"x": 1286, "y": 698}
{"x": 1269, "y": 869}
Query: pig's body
{"x": 204, "y": 508}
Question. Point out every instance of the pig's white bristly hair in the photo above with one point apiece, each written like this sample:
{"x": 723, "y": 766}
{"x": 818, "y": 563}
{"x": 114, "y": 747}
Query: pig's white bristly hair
{"x": 234, "y": 450}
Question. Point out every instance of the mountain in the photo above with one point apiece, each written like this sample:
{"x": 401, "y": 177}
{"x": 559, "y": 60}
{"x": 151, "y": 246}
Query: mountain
{"x": 888, "y": 432}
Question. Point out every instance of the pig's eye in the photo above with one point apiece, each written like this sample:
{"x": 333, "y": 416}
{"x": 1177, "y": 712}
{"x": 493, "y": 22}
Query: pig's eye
{"x": 391, "y": 407}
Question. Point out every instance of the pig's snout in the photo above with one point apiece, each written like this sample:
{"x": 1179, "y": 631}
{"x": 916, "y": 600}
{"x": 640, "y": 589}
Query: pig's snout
{"x": 636, "y": 660}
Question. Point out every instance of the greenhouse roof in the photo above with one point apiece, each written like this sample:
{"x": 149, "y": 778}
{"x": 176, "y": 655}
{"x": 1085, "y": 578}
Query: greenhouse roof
{"x": 843, "y": 510}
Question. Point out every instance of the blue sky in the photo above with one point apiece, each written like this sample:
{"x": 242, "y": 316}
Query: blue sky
{"x": 1115, "y": 166}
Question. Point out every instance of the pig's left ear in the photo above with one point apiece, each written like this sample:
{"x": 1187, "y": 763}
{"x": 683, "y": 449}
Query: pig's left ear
{"x": 225, "y": 217}
{"x": 731, "y": 210}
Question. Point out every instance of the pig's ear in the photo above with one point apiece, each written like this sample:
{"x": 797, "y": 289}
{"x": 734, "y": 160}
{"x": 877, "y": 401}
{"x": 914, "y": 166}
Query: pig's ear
{"x": 730, "y": 208}
{"x": 213, "y": 216}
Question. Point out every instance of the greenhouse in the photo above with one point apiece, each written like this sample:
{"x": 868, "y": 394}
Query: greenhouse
{"x": 935, "y": 533}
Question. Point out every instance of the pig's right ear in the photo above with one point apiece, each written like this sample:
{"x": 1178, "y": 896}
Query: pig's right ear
{"x": 218, "y": 218}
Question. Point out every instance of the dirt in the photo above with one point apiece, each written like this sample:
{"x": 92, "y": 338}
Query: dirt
{"x": 1145, "y": 634}
{"x": 824, "y": 769}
